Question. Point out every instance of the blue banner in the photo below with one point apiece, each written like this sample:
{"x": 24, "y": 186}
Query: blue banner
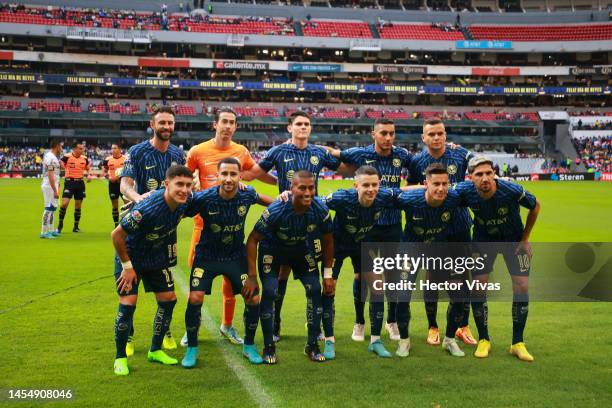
{"x": 300, "y": 86}
{"x": 315, "y": 67}
{"x": 483, "y": 44}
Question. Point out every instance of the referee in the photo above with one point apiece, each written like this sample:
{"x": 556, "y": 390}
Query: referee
{"x": 76, "y": 166}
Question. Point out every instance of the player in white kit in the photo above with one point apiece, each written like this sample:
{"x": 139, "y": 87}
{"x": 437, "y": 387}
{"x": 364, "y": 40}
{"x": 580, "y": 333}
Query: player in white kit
{"x": 50, "y": 188}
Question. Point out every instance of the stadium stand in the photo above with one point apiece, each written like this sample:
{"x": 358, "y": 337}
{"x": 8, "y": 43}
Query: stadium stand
{"x": 420, "y": 32}
{"x": 565, "y": 32}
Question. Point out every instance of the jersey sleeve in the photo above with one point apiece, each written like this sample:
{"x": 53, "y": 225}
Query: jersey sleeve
{"x": 330, "y": 161}
{"x": 105, "y": 164}
{"x": 64, "y": 159}
{"x": 197, "y": 204}
{"x": 128, "y": 165}
{"x": 524, "y": 197}
{"x": 388, "y": 196}
{"x": 334, "y": 200}
{"x": 402, "y": 201}
{"x": 135, "y": 220}
{"x": 247, "y": 160}
{"x": 252, "y": 195}
{"x": 268, "y": 219}
{"x": 326, "y": 220}
{"x": 406, "y": 157}
{"x": 351, "y": 156}
{"x": 467, "y": 154}
{"x": 269, "y": 159}
{"x": 413, "y": 172}
{"x": 192, "y": 161}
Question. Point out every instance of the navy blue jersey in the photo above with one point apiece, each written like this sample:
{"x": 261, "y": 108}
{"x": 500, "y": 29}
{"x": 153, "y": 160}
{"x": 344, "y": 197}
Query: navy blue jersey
{"x": 151, "y": 232}
{"x": 282, "y": 228}
{"x": 456, "y": 162}
{"x": 147, "y": 165}
{"x": 352, "y": 221}
{"x": 423, "y": 222}
{"x": 390, "y": 167}
{"x": 287, "y": 159}
{"x": 223, "y": 236}
{"x": 497, "y": 219}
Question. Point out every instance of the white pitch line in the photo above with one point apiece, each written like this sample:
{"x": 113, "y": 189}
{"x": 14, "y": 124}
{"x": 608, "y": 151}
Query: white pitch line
{"x": 249, "y": 382}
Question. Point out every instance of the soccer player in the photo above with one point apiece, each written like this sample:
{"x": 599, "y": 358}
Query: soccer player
{"x": 144, "y": 171}
{"x": 456, "y": 161}
{"x": 357, "y": 211}
{"x": 287, "y": 159}
{"x": 221, "y": 251}
{"x": 145, "y": 242}
{"x": 50, "y": 188}
{"x": 496, "y": 205}
{"x": 429, "y": 218}
{"x": 283, "y": 233}
{"x": 113, "y": 165}
{"x": 390, "y": 161}
{"x": 203, "y": 160}
{"x": 76, "y": 166}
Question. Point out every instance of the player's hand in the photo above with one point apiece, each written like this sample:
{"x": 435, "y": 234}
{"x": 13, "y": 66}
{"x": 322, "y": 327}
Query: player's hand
{"x": 329, "y": 286}
{"x": 284, "y": 196}
{"x": 142, "y": 197}
{"x": 88, "y": 178}
{"x": 242, "y": 186}
{"x": 196, "y": 180}
{"x": 250, "y": 287}
{"x": 523, "y": 247}
{"x": 126, "y": 280}
{"x": 55, "y": 195}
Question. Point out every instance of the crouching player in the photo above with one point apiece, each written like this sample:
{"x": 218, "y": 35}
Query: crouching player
{"x": 496, "y": 205}
{"x": 357, "y": 211}
{"x": 145, "y": 243}
{"x": 221, "y": 251}
{"x": 282, "y": 233}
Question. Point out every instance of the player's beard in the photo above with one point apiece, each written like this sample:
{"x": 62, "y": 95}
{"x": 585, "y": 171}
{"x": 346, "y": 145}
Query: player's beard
{"x": 162, "y": 138}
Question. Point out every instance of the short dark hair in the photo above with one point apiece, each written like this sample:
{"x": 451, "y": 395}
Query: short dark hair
{"x": 229, "y": 160}
{"x": 55, "y": 143}
{"x": 296, "y": 114}
{"x": 178, "y": 170}
{"x": 162, "y": 109}
{"x": 383, "y": 121}
{"x": 366, "y": 171}
{"x": 432, "y": 121}
{"x": 225, "y": 110}
{"x": 75, "y": 144}
{"x": 435, "y": 168}
{"x": 303, "y": 174}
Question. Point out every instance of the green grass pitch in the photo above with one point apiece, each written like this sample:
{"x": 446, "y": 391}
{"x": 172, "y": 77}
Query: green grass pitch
{"x": 58, "y": 305}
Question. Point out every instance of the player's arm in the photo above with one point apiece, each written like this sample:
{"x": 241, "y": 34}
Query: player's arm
{"x": 128, "y": 274}
{"x": 87, "y": 172}
{"x": 105, "y": 172}
{"x": 265, "y": 200}
{"x": 251, "y": 285}
{"x": 327, "y": 241}
{"x": 532, "y": 216}
{"x": 51, "y": 176}
{"x": 127, "y": 189}
{"x": 256, "y": 172}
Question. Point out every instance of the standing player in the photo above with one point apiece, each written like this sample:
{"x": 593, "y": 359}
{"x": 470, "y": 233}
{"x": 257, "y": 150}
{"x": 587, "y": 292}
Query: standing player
{"x": 203, "y": 160}
{"x": 390, "y": 161}
{"x": 283, "y": 233}
{"x": 221, "y": 251}
{"x": 50, "y": 187}
{"x": 496, "y": 205}
{"x": 113, "y": 165}
{"x": 456, "y": 161}
{"x": 429, "y": 218}
{"x": 145, "y": 243}
{"x": 357, "y": 211}
{"x": 287, "y": 159}
{"x": 144, "y": 171}
{"x": 76, "y": 166}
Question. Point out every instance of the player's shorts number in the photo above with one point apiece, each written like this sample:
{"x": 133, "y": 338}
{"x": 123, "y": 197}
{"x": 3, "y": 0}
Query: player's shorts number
{"x": 167, "y": 276}
{"x": 317, "y": 245}
{"x": 172, "y": 251}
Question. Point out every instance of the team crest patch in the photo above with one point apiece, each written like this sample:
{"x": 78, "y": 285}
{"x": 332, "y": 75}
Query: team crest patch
{"x": 377, "y": 215}
{"x": 152, "y": 184}
{"x": 397, "y": 162}
{"x": 136, "y": 215}
{"x": 242, "y": 211}
{"x": 198, "y": 272}
{"x": 452, "y": 169}
{"x": 215, "y": 228}
{"x": 267, "y": 268}
{"x": 314, "y": 160}
{"x": 195, "y": 282}
{"x": 502, "y": 211}
{"x": 311, "y": 228}
{"x": 445, "y": 216}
